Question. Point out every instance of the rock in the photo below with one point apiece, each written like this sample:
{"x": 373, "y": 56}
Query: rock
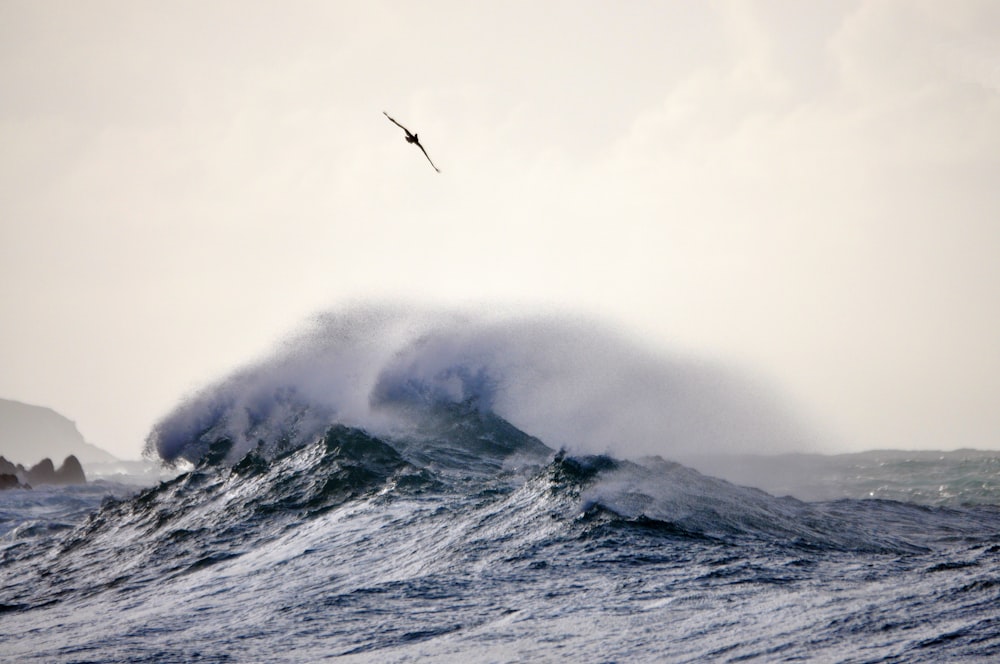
{"x": 71, "y": 472}
{"x": 10, "y": 481}
{"x": 7, "y": 468}
{"x": 44, "y": 472}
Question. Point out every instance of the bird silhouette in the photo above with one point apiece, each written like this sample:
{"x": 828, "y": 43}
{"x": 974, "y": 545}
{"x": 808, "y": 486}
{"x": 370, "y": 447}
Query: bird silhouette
{"x": 412, "y": 138}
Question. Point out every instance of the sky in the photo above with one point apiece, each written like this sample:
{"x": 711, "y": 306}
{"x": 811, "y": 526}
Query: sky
{"x": 808, "y": 191}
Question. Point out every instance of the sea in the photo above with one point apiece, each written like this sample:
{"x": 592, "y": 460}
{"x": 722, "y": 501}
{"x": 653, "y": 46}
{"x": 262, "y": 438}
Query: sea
{"x": 391, "y": 487}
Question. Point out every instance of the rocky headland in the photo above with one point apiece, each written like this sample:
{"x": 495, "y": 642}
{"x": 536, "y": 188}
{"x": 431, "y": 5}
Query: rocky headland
{"x": 30, "y": 432}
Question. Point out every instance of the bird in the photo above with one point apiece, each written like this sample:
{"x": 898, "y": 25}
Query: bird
{"x": 412, "y": 138}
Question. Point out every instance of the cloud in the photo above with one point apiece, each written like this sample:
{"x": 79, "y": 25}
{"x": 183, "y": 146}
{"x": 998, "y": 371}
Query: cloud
{"x": 808, "y": 189}
{"x": 841, "y": 236}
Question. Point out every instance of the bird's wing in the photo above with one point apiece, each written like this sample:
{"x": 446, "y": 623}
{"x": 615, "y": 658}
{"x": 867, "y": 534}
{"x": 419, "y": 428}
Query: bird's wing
{"x": 397, "y": 124}
{"x": 428, "y": 157}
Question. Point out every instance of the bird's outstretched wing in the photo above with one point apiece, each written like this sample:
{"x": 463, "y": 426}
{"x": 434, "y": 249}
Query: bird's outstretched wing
{"x": 397, "y": 124}
{"x": 412, "y": 138}
{"x": 428, "y": 157}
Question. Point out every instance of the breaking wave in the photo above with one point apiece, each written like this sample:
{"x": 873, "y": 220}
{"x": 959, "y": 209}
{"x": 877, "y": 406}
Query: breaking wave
{"x": 574, "y": 383}
{"x": 395, "y": 485}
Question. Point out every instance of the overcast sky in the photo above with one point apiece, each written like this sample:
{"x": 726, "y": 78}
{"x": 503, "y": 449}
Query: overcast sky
{"x": 810, "y": 190}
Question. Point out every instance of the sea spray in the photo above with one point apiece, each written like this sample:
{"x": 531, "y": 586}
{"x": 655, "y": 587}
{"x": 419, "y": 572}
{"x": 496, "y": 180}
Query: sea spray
{"x": 574, "y": 383}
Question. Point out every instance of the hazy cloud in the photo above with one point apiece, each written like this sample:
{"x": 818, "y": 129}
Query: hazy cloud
{"x": 809, "y": 190}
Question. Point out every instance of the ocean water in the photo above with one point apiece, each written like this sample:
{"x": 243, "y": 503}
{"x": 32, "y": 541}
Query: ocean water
{"x": 331, "y": 506}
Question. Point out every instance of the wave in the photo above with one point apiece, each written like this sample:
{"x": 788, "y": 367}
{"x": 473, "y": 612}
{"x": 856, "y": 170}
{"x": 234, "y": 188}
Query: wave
{"x": 459, "y": 515}
{"x": 401, "y": 398}
{"x": 477, "y": 468}
{"x": 363, "y": 493}
{"x": 573, "y": 383}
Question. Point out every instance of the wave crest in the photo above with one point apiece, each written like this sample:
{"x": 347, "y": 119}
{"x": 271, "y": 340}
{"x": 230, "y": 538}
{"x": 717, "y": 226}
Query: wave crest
{"x": 571, "y": 382}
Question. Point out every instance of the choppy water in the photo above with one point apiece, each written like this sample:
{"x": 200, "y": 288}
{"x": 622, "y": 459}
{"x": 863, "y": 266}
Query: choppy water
{"x": 962, "y": 477}
{"x": 473, "y": 541}
{"x": 348, "y": 501}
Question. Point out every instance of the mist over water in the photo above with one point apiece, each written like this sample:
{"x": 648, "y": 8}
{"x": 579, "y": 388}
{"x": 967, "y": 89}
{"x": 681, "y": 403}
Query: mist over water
{"x": 572, "y": 382}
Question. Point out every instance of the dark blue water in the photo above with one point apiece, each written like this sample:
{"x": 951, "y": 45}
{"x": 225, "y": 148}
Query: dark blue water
{"x": 469, "y": 539}
{"x": 367, "y": 501}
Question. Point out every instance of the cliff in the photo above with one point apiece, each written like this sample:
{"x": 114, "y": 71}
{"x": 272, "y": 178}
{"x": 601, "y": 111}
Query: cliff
{"x": 29, "y": 433}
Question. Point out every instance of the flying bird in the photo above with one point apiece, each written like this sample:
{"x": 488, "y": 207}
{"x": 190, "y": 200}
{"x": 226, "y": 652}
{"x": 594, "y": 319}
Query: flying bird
{"x": 412, "y": 138}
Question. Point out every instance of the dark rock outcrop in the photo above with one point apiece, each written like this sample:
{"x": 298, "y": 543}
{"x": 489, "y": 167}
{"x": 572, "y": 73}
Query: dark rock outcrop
{"x": 10, "y": 481}
{"x": 43, "y": 472}
{"x": 71, "y": 472}
{"x": 7, "y": 468}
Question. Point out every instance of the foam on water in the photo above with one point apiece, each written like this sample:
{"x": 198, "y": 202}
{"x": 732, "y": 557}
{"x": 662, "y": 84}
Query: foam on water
{"x": 468, "y": 538}
{"x": 361, "y": 495}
